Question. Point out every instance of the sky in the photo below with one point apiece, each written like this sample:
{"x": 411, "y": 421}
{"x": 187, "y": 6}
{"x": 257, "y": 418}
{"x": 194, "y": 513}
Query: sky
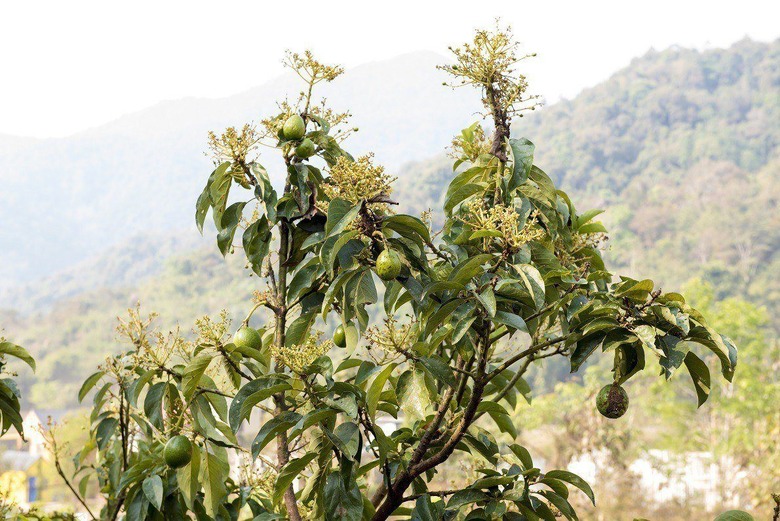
{"x": 73, "y": 65}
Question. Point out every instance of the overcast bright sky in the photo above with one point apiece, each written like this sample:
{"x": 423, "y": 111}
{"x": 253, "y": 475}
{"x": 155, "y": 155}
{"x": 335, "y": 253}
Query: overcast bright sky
{"x": 71, "y": 65}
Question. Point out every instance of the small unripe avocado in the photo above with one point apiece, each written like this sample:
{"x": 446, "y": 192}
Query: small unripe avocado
{"x": 294, "y": 128}
{"x": 340, "y": 337}
{"x": 612, "y": 401}
{"x": 734, "y": 515}
{"x": 177, "y": 452}
{"x": 388, "y": 265}
{"x": 305, "y": 149}
{"x": 248, "y": 337}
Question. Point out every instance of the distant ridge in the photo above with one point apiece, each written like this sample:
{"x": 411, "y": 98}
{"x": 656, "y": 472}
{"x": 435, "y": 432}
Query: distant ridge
{"x": 64, "y": 200}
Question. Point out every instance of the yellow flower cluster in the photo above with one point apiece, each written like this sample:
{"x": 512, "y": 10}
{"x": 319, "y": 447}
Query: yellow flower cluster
{"x": 311, "y": 70}
{"x": 298, "y": 357}
{"x": 357, "y": 180}
{"x": 391, "y": 338}
{"x": 567, "y": 255}
{"x": 502, "y": 219}
{"x": 211, "y": 332}
{"x": 265, "y": 483}
{"x": 233, "y": 145}
{"x": 489, "y": 62}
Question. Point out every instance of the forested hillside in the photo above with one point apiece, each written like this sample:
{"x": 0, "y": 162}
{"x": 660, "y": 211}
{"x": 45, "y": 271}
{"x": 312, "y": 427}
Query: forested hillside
{"x": 695, "y": 132}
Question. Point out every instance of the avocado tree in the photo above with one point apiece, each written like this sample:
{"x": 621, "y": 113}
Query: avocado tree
{"x": 433, "y": 331}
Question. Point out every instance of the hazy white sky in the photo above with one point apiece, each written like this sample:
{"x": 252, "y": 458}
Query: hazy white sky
{"x": 70, "y": 65}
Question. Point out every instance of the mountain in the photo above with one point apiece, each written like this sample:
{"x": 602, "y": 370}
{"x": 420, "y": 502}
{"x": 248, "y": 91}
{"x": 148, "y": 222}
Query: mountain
{"x": 65, "y": 200}
{"x": 680, "y": 147}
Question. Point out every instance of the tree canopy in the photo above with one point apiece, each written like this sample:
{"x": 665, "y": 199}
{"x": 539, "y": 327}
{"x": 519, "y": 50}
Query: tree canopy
{"x": 439, "y": 328}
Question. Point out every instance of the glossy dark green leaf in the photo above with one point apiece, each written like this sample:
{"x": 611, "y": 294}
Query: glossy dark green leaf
{"x": 522, "y": 152}
{"x": 252, "y": 394}
{"x": 88, "y": 384}
{"x": 153, "y": 490}
{"x": 574, "y": 479}
{"x": 342, "y": 498}
{"x": 289, "y": 472}
{"x": 700, "y": 374}
{"x": 230, "y": 221}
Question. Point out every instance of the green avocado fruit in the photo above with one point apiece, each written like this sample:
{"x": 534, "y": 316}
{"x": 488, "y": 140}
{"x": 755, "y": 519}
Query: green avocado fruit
{"x": 734, "y": 515}
{"x": 340, "y": 337}
{"x": 388, "y": 265}
{"x": 306, "y": 149}
{"x": 248, "y": 337}
{"x": 294, "y": 128}
{"x": 612, "y": 401}
{"x": 177, "y": 452}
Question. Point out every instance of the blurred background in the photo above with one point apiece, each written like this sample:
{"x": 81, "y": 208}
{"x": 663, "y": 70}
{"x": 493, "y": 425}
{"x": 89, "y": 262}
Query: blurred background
{"x": 665, "y": 113}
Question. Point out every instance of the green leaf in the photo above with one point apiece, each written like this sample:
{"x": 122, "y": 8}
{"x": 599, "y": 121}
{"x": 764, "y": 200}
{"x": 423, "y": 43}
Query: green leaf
{"x": 424, "y": 510}
{"x": 289, "y": 472}
{"x": 585, "y": 347}
{"x": 637, "y": 291}
{"x": 316, "y": 416}
{"x": 153, "y": 490}
{"x": 153, "y": 404}
{"x": 10, "y": 408}
{"x": 462, "y": 187}
{"x": 439, "y": 369}
{"x": 482, "y": 234}
{"x": 89, "y": 383}
{"x": 375, "y": 390}
{"x": 504, "y": 422}
{"x": 403, "y": 224}
{"x": 257, "y": 242}
{"x": 465, "y": 497}
{"x": 561, "y": 503}
{"x": 488, "y": 300}
{"x": 629, "y": 360}
{"x": 104, "y": 432}
{"x": 586, "y": 217}
{"x": 340, "y": 214}
{"x": 214, "y": 475}
{"x": 342, "y": 501}
{"x": 218, "y": 190}
{"x": 594, "y": 227}
{"x": 251, "y": 394}
{"x": 202, "y": 206}
{"x": 511, "y": 320}
{"x": 533, "y": 281}
{"x": 413, "y": 394}
{"x": 574, "y": 479}
{"x": 469, "y": 268}
{"x": 522, "y": 160}
{"x": 193, "y": 372}
{"x": 230, "y": 220}
{"x": 7, "y": 348}
{"x": 271, "y": 428}
{"x": 187, "y": 478}
{"x": 700, "y": 374}
{"x": 523, "y": 455}
{"x": 675, "y": 351}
